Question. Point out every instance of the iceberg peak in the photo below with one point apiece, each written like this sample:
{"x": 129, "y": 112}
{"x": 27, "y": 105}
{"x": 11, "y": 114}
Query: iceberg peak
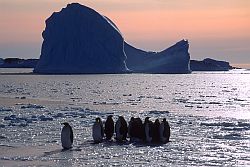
{"x": 78, "y": 39}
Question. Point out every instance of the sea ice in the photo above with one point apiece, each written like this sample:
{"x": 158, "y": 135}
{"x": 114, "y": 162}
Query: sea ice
{"x": 32, "y": 106}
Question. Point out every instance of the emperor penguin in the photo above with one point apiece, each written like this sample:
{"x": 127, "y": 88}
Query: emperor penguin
{"x": 156, "y": 131}
{"x": 130, "y": 127}
{"x": 121, "y": 129}
{"x": 148, "y": 130}
{"x": 139, "y": 129}
{"x": 163, "y": 139}
{"x": 67, "y": 136}
{"x": 97, "y": 130}
{"x": 166, "y": 132}
{"x": 136, "y": 130}
{"x": 109, "y": 127}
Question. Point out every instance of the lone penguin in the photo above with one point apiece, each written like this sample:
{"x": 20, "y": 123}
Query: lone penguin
{"x": 121, "y": 129}
{"x": 97, "y": 130}
{"x": 67, "y": 136}
{"x": 109, "y": 127}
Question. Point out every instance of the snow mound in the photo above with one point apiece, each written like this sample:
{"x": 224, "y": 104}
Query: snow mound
{"x": 171, "y": 60}
{"x": 79, "y": 40}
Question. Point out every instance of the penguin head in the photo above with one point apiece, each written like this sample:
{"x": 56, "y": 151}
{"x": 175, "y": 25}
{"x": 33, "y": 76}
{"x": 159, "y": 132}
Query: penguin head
{"x": 98, "y": 119}
{"x": 164, "y": 120}
{"x": 110, "y": 116}
{"x": 147, "y": 119}
{"x": 157, "y": 121}
{"x": 65, "y": 123}
{"x": 121, "y": 117}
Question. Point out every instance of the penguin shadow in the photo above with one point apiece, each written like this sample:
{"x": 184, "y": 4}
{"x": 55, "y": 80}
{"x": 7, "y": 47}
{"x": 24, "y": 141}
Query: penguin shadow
{"x": 57, "y": 151}
{"x": 113, "y": 142}
{"x": 104, "y": 143}
{"x": 142, "y": 143}
{"x": 48, "y": 153}
{"x": 86, "y": 144}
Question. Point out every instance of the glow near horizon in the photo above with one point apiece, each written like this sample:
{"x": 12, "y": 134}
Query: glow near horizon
{"x": 216, "y": 29}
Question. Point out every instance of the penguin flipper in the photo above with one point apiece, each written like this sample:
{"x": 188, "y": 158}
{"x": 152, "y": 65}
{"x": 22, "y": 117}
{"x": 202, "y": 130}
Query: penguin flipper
{"x": 71, "y": 135}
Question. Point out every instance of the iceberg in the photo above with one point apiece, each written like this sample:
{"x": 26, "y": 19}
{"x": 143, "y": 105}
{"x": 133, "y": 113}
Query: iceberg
{"x": 79, "y": 40}
{"x": 210, "y": 65}
{"x": 174, "y": 59}
{"x": 1, "y": 61}
{"x": 17, "y": 63}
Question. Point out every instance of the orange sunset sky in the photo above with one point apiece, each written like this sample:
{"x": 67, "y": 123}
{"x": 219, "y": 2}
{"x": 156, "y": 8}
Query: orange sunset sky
{"x": 218, "y": 29}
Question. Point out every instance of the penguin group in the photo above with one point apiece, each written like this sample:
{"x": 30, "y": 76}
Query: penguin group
{"x": 137, "y": 131}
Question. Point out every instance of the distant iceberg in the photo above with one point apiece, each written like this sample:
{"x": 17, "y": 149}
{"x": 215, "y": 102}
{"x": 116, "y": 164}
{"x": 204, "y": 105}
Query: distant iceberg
{"x": 1, "y": 61}
{"x": 210, "y": 65}
{"x": 78, "y": 40}
{"x": 18, "y": 63}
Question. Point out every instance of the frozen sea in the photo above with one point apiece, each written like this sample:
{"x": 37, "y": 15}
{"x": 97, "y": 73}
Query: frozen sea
{"x": 209, "y": 115}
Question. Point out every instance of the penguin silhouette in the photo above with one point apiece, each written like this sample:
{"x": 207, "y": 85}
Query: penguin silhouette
{"x": 109, "y": 127}
{"x": 97, "y": 131}
{"x": 121, "y": 129}
{"x": 156, "y": 131}
{"x": 163, "y": 139}
{"x": 166, "y": 132}
{"x": 130, "y": 127}
{"x": 148, "y": 125}
{"x": 67, "y": 136}
{"x": 139, "y": 129}
{"x": 124, "y": 128}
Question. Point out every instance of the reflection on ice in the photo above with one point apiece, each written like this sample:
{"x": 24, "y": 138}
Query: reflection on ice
{"x": 208, "y": 114}
{"x": 194, "y": 141}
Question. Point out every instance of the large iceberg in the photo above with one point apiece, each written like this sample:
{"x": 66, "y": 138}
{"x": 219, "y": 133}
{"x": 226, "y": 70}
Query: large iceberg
{"x": 171, "y": 60}
{"x": 79, "y": 40}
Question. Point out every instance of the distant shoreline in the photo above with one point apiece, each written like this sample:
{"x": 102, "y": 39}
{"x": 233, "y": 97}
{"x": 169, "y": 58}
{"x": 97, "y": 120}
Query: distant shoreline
{"x": 232, "y": 71}
{"x": 207, "y": 64}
